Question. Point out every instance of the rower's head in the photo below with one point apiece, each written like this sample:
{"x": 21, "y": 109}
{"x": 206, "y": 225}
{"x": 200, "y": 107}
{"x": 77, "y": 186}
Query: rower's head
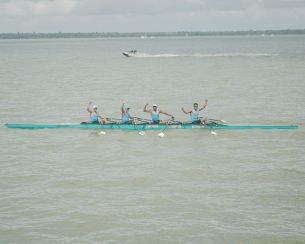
{"x": 94, "y": 107}
{"x": 195, "y": 106}
{"x": 155, "y": 107}
{"x": 127, "y": 109}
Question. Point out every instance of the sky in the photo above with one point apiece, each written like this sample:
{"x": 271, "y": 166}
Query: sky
{"x": 149, "y": 15}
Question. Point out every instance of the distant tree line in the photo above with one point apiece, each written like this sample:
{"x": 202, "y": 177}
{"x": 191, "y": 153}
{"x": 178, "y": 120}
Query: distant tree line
{"x": 38, "y": 35}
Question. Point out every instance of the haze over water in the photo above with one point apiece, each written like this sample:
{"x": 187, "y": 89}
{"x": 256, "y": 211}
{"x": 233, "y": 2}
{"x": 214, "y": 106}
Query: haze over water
{"x": 77, "y": 186}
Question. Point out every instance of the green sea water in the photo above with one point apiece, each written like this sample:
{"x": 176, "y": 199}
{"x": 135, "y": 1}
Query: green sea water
{"x": 78, "y": 186}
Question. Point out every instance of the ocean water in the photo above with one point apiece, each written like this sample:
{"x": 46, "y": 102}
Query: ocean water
{"x": 78, "y": 186}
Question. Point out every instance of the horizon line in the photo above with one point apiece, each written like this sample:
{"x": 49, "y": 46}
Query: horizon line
{"x": 47, "y": 35}
{"x": 136, "y": 32}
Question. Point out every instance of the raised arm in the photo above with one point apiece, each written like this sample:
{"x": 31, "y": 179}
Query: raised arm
{"x": 204, "y": 105}
{"x": 145, "y": 108}
{"x": 88, "y": 108}
{"x": 186, "y": 111}
{"x": 122, "y": 108}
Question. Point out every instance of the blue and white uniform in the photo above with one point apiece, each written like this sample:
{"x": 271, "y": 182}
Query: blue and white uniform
{"x": 125, "y": 117}
{"x": 94, "y": 118}
{"x": 194, "y": 115}
{"x": 155, "y": 116}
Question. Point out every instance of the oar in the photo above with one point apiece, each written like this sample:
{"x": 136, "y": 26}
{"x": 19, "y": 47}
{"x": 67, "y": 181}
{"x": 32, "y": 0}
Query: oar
{"x": 161, "y": 134}
{"x": 146, "y": 121}
{"x": 113, "y": 120}
{"x": 143, "y": 120}
{"x": 141, "y": 133}
{"x": 176, "y": 122}
{"x": 217, "y": 120}
{"x": 101, "y": 132}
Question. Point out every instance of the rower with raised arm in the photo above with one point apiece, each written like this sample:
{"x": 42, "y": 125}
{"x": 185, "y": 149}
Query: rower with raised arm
{"x": 155, "y": 114}
{"x": 194, "y": 113}
{"x": 126, "y": 118}
{"x": 95, "y": 117}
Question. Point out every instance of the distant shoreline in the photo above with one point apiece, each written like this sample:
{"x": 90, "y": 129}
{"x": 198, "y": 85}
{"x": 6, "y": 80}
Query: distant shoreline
{"x": 38, "y": 35}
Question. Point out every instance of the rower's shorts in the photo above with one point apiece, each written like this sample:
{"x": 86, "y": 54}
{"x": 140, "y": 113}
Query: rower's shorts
{"x": 196, "y": 122}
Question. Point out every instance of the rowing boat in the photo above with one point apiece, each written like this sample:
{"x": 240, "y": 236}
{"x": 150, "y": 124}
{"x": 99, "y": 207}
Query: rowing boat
{"x": 147, "y": 126}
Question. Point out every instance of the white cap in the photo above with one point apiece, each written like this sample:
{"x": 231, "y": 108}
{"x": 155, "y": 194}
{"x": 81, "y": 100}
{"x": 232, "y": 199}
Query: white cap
{"x": 94, "y": 106}
{"x": 155, "y": 105}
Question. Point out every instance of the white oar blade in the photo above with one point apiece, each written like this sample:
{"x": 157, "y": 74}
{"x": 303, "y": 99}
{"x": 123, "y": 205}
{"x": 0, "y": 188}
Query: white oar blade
{"x": 213, "y": 133}
{"x": 142, "y": 133}
{"x": 161, "y": 134}
{"x": 102, "y": 133}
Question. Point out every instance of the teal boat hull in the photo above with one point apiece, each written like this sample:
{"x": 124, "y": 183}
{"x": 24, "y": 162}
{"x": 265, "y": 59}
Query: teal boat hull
{"x": 149, "y": 126}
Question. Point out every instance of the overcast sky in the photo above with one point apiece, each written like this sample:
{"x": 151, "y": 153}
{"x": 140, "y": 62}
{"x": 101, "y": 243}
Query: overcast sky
{"x": 149, "y": 15}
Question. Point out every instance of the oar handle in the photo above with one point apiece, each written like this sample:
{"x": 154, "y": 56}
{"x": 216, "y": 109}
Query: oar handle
{"x": 218, "y": 120}
{"x": 141, "y": 119}
{"x": 112, "y": 119}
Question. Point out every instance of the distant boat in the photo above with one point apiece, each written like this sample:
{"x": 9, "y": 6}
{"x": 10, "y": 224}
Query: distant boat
{"x": 130, "y": 53}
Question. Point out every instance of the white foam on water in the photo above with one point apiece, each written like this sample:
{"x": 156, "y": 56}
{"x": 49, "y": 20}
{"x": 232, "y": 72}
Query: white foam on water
{"x": 202, "y": 55}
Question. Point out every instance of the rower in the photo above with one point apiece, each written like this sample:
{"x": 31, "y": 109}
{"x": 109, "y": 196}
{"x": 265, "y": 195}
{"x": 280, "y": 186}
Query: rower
{"x": 126, "y": 118}
{"x": 95, "y": 117}
{"x": 155, "y": 114}
{"x": 194, "y": 113}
